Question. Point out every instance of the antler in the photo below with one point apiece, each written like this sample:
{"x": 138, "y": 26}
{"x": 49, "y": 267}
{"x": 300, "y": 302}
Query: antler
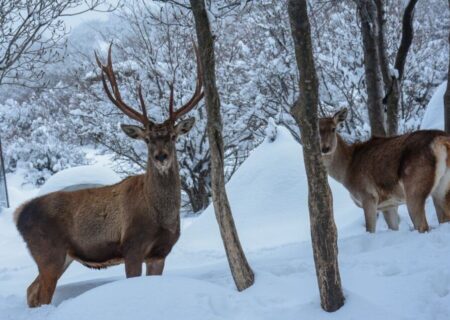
{"x": 198, "y": 93}
{"x": 115, "y": 96}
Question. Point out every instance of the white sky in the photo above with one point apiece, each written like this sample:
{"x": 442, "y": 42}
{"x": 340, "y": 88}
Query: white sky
{"x": 73, "y": 22}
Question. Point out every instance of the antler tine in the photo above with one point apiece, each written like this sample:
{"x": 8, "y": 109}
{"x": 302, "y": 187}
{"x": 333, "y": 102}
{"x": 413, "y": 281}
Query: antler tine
{"x": 115, "y": 96}
{"x": 198, "y": 93}
{"x": 171, "y": 112}
{"x": 141, "y": 100}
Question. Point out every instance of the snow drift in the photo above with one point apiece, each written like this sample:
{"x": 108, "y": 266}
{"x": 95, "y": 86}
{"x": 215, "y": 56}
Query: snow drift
{"x": 79, "y": 177}
{"x": 269, "y": 199}
{"x": 434, "y": 113}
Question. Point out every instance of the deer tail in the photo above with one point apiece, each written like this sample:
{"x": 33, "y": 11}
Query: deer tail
{"x": 441, "y": 149}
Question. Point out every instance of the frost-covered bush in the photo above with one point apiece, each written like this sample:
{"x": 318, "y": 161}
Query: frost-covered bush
{"x": 34, "y": 135}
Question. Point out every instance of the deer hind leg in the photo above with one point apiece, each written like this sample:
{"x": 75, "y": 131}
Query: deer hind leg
{"x": 416, "y": 210}
{"x": 51, "y": 267}
{"x": 439, "y": 207}
{"x": 416, "y": 194}
{"x": 441, "y": 198}
{"x": 33, "y": 293}
{"x": 392, "y": 218}
{"x": 419, "y": 181}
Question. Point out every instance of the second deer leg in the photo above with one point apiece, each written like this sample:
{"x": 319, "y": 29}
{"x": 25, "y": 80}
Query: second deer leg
{"x": 155, "y": 266}
{"x": 416, "y": 210}
{"x": 418, "y": 182}
{"x": 441, "y": 203}
{"x": 133, "y": 264}
{"x": 370, "y": 214}
{"x": 392, "y": 218}
{"x": 439, "y": 207}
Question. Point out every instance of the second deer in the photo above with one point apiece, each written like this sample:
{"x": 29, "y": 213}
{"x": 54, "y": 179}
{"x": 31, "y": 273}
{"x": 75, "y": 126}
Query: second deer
{"x": 383, "y": 173}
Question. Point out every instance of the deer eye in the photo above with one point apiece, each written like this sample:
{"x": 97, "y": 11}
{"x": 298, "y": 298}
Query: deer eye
{"x": 173, "y": 137}
{"x": 333, "y": 130}
{"x": 147, "y": 140}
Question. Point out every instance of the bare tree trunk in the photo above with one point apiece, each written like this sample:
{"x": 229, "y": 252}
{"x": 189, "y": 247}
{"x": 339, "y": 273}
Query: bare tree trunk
{"x": 242, "y": 273}
{"x": 323, "y": 228}
{"x": 4, "y": 199}
{"x": 367, "y": 12}
{"x": 381, "y": 43}
{"x": 447, "y": 95}
{"x": 198, "y": 194}
{"x": 392, "y": 82}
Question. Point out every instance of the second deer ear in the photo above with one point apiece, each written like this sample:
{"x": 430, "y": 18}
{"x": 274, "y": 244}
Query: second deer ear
{"x": 184, "y": 126}
{"x": 134, "y": 132}
{"x": 340, "y": 116}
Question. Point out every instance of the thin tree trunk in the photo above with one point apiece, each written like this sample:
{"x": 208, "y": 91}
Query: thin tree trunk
{"x": 447, "y": 93}
{"x": 381, "y": 43}
{"x": 367, "y": 12}
{"x": 392, "y": 82}
{"x": 393, "y": 99}
{"x": 4, "y": 199}
{"x": 323, "y": 228}
{"x": 199, "y": 195}
{"x": 240, "y": 269}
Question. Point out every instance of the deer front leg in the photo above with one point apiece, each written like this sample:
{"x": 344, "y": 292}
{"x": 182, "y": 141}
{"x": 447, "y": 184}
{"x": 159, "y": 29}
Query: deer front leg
{"x": 133, "y": 261}
{"x": 369, "y": 205}
{"x": 133, "y": 266}
{"x": 392, "y": 218}
{"x": 155, "y": 266}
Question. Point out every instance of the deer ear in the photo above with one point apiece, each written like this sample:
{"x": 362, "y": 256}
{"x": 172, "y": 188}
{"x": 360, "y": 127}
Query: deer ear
{"x": 134, "y": 132}
{"x": 340, "y": 116}
{"x": 184, "y": 126}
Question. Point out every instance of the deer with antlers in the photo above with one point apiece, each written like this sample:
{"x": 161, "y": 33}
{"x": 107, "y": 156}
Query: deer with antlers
{"x": 383, "y": 173}
{"x": 132, "y": 222}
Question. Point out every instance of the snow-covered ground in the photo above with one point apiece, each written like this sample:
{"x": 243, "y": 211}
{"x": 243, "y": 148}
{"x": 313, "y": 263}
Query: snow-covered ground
{"x": 434, "y": 115}
{"x": 387, "y": 275}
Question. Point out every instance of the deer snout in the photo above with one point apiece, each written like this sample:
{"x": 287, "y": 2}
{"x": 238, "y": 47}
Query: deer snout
{"x": 161, "y": 157}
{"x": 325, "y": 149}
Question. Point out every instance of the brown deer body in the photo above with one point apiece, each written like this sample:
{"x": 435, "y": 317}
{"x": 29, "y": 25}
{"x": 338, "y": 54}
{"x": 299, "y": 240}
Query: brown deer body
{"x": 383, "y": 173}
{"x": 134, "y": 221}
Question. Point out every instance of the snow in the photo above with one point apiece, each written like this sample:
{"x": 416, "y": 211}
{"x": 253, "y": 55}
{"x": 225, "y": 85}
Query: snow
{"x": 79, "y": 177}
{"x": 270, "y": 184}
{"x": 434, "y": 113}
{"x": 387, "y": 275}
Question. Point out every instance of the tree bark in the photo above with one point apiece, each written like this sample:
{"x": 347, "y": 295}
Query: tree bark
{"x": 198, "y": 194}
{"x": 447, "y": 94}
{"x": 242, "y": 273}
{"x": 367, "y": 12}
{"x": 305, "y": 112}
{"x": 392, "y": 82}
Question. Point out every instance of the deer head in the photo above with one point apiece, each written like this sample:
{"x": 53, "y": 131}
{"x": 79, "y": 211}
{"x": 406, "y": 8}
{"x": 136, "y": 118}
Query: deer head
{"x": 327, "y": 131}
{"x": 159, "y": 137}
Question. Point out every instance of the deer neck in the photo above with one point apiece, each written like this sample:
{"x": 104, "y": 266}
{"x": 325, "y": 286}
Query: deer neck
{"x": 163, "y": 192}
{"x": 338, "y": 162}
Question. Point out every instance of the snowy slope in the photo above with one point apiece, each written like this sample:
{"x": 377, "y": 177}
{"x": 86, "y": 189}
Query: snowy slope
{"x": 434, "y": 114}
{"x": 93, "y": 175}
{"x": 268, "y": 194}
{"x": 387, "y": 275}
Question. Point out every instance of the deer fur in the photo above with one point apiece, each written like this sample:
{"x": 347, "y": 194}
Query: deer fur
{"x": 134, "y": 221}
{"x": 383, "y": 173}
